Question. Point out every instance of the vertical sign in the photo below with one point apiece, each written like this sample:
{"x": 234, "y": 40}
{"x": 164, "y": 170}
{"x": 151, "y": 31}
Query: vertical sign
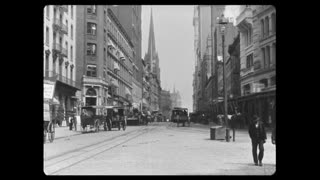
{"x": 48, "y": 89}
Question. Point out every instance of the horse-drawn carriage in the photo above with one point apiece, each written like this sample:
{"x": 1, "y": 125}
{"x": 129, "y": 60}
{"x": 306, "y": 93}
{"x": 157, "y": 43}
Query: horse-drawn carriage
{"x": 93, "y": 117}
{"x": 180, "y": 115}
{"x": 116, "y": 118}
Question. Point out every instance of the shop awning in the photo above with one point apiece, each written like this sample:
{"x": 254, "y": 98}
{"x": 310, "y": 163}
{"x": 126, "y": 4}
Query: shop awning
{"x": 55, "y": 101}
{"x": 114, "y": 82}
{"x": 127, "y": 91}
{"x": 122, "y": 57}
{"x": 116, "y": 66}
{"x": 110, "y": 43}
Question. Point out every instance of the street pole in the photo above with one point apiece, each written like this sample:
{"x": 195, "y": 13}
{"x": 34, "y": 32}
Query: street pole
{"x": 225, "y": 91}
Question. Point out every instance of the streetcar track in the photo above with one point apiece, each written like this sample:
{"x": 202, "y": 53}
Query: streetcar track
{"x": 84, "y": 147}
{"x": 139, "y": 133}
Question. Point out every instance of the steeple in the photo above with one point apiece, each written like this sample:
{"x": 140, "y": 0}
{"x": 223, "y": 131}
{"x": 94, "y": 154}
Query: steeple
{"x": 151, "y": 43}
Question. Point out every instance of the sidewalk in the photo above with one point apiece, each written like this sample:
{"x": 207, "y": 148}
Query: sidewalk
{"x": 63, "y": 131}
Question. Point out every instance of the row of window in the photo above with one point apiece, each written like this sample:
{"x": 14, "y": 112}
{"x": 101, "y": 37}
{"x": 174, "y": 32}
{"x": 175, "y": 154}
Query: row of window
{"x": 268, "y": 56}
{"x": 119, "y": 37}
{"x": 47, "y": 71}
{"x": 60, "y": 43}
{"x": 265, "y": 30}
{"x": 54, "y": 14}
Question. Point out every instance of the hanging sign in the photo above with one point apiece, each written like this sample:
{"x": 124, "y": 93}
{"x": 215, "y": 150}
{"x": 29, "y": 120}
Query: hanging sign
{"x": 48, "y": 89}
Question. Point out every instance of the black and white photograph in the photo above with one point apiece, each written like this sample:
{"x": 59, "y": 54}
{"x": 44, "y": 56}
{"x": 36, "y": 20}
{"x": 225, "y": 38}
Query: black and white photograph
{"x": 159, "y": 90}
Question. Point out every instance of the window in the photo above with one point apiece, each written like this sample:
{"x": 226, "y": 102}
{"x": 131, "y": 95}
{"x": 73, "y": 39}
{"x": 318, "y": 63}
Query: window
{"x": 262, "y": 28}
{"x": 92, "y": 28}
{"x": 71, "y": 11}
{"x": 48, "y": 11}
{"x": 92, "y": 9}
{"x": 264, "y": 82}
{"x": 267, "y": 56}
{"x": 249, "y": 60}
{"x": 104, "y": 56}
{"x": 274, "y": 53}
{"x": 104, "y": 74}
{"x": 246, "y": 89}
{"x": 91, "y": 49}
{"x": 67, "y": 72}
{"x": 71, "y": 53}
{"x": 47, "y": 66}
{"x": 273, "y": 21}
{"x": 71, "y": 31}
{"x": 71, "y": 73}
{"x": 47, "y": 36}
{"x": 266, "y": 26}
{"x": 263, "y": 52}
{"x": 66, "y": 49}
{"x": 92, "y": 70}
{"x": 273, "y": 81}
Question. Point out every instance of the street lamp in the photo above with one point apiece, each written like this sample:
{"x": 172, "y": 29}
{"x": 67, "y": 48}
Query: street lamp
{"x": 223, "y": 21}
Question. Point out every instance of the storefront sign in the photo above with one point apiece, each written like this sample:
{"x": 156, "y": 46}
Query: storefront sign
{"x": 48, "y": 89}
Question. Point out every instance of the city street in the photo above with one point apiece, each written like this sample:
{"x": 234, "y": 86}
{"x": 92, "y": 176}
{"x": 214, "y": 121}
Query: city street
{"x": 160, "y": 148}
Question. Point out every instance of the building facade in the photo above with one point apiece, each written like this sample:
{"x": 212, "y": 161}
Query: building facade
{"x": 152, "y": 63}
{"x": 60, "y": 54}
{"x": 257, "y": 25}
{"x": 130, "y": 19}
{"x": 104, "y": 57}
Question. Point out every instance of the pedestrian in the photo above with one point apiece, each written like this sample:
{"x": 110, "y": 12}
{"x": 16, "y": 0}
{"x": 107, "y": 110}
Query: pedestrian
{"x": 258, "y": 137}
{"x": 71, "y": 122}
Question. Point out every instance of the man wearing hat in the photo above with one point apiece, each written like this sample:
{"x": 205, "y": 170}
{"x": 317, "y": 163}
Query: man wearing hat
{"x": 258, "y": 137}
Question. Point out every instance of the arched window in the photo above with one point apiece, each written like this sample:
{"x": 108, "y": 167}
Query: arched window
{"x": 273, "y": 20}
{"x": 91, "y": 92}
{"x": 262, "y": 28}
{"x": 266, "y": 26}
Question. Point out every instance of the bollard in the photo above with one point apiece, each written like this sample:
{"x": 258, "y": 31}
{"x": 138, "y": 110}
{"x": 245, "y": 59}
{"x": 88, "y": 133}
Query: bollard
{"x": 233, "y": 134}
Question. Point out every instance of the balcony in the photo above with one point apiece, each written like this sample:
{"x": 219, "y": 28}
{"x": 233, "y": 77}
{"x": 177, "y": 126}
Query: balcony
{"x": 56, "y": 25}
{"x": 64, "y": 52}
{"x": 247, "y": 71}
{"x": 56, "y": 47}
{"x": 64, "y": 28}
{"x": 50, "y": 75}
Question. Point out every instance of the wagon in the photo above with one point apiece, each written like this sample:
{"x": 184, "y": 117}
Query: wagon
{"x": 93, "y": 117}
{"x": 180, "y": 115}
{"x": 116, "y": 118}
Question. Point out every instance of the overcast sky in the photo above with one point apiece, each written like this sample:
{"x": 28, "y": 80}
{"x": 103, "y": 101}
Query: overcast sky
{"x": 174, "y": 38}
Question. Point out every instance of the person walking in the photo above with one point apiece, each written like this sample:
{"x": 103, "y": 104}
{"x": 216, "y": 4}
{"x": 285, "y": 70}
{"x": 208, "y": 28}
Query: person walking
{"x": 258, "y": 137}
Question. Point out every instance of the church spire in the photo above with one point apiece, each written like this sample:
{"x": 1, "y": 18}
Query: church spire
{"x": 151, "y": 43}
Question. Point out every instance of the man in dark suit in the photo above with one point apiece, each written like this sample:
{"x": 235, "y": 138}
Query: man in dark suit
{"x": 258, "y": 138}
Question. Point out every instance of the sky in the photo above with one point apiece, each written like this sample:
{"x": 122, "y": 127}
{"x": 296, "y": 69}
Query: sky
{"x": 174, "y": 38}
{"x": 174, "y": 41}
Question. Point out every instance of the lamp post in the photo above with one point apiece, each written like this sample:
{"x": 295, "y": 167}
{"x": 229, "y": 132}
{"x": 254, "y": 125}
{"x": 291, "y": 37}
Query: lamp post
{"x": 223, "y": 21}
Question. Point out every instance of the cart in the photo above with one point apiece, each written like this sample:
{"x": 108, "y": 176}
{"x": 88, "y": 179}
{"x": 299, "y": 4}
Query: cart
{"x": 93, "y": 117}
{"x": 116, "y": 118}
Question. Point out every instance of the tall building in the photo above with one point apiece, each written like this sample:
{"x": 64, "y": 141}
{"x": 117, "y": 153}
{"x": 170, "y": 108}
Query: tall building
{"x": 205, "y": 77}
{"x": 105, "y": 61}
{"x": 130, "y": 19}
{"x": 146, "y": 88}
{"x": 257, "y": 25}
{"x": 152, "y": 61}
{"x": 60, "y": 53}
